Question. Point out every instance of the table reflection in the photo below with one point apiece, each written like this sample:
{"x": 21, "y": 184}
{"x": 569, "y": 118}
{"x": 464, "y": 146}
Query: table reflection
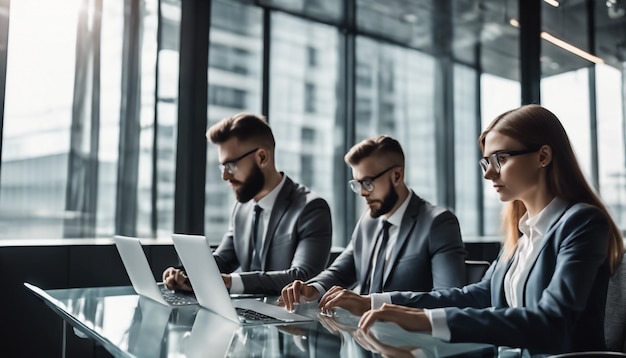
{"x": 128, "y": 325}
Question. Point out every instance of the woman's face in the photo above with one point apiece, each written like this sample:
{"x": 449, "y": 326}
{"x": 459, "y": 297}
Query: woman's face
{"x": 519, "y": 176}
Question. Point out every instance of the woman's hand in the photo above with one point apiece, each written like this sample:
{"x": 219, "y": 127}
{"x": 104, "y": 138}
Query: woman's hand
{"x": 410, "y": 319}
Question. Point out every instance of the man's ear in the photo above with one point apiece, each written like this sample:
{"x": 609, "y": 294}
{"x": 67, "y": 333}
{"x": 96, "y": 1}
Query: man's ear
{"x": 397, "y": 175}
{"x": 263, "y": 156}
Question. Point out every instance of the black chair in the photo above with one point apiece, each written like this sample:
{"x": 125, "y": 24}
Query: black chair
{"x": 614, "y": 319}
{"x": 475, "y": 270}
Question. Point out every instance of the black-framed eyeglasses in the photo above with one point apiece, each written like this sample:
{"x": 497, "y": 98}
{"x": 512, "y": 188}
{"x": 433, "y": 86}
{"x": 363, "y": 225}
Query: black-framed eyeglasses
{"x": 231, "y": 166}
{"x": 367, "y": 183}
{"x": 496, "y": 159}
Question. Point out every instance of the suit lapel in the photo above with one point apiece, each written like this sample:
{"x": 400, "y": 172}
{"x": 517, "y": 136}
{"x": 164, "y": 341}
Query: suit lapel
{"x": 498, "y": 297}
{"x": 547, "y": 237}
{"x": 278, "y": 211}
{"x": 409, "y": 219}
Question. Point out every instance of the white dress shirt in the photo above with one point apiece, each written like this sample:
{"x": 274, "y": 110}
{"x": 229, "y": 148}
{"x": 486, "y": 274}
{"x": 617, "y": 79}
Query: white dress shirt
{"x": 267, "y": 204}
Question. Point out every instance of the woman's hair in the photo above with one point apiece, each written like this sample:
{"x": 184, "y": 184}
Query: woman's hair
{"x": 245, "y": 127}
{"x": 381, "y": 146}
{"x": 534, "y": 126}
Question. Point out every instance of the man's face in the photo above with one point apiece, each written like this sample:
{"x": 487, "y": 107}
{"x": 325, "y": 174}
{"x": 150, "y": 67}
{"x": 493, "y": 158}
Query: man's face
{"x": 384, "y": 196}
{"x": 247, "y": 180}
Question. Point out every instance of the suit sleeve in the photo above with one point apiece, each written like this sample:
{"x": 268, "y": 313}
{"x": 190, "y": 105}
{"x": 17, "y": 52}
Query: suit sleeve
{"x": 582, "y": 254}
{"x": 342, "y": 272}
{"x": 314, "y": 234}
{"x": 447, "y": 252}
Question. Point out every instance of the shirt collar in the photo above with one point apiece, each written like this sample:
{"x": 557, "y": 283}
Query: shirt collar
{"x": 396, "y": 218}
{"x": 544, "y": 220}
{"x": 267, "y": 202}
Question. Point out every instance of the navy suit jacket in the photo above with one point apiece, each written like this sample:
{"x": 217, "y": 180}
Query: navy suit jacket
{"x": 296, "y": 246}
{"x": 428, "y": 253}
{"x": 563, "y": 300}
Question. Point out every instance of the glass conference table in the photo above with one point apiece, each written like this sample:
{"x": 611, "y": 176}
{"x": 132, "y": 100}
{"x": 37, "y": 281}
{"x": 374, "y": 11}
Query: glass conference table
{"x": 128, "y": 325}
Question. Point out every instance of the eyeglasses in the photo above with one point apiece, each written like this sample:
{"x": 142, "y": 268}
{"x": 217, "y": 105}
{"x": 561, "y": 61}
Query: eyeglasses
{"x": 496, "y": 159}
{"x": 366, "y": 183}
{"x": 231, "y": 166}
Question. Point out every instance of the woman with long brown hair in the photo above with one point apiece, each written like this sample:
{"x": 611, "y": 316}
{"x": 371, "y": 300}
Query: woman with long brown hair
{"x": 546, "y": 291}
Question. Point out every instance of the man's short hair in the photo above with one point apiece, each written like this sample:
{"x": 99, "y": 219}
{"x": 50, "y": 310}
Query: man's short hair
{"x": 245, "y": 127}
{"x": 381, "y": 146}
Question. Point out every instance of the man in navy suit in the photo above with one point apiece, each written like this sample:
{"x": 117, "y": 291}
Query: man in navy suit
{"x": 401, "y": 242}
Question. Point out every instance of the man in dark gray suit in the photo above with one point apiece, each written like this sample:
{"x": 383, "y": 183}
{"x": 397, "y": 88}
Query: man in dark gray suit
{"x": 280, "y": 231}
{"x": 401, "y": 242}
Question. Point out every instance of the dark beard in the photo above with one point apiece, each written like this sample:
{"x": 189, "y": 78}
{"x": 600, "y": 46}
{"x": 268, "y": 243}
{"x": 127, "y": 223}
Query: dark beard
{"x": 251, "y": 186}
{"x": 388, "y": 202}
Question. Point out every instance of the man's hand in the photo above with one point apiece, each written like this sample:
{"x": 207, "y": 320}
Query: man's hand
{"x": 410, "y": 319}
{"x": 291, "y": 294}
{"x": 228, "y": 280}
{"x": 340, "y": 297}
{"x": 176, "y": 279}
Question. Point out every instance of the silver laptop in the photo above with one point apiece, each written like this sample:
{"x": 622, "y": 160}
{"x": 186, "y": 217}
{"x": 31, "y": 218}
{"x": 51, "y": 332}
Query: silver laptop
{"x": 141, "y": 277}
{"x": 211, "y": 293}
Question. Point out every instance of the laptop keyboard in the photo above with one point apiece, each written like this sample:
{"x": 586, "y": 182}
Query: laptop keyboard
{"x": 250, "y": 315}
{"x": 178, "y": 298}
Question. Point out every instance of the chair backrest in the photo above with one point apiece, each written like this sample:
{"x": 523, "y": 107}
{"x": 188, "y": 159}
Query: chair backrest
{"x": 615, "y": 311}
{"x": 475, "y": 270}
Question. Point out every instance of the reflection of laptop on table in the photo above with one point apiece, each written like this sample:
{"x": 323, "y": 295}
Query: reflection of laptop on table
{"x": 141, "y": 277}
{"x": 211, "y": 293}
{"x": 211, "y": 336}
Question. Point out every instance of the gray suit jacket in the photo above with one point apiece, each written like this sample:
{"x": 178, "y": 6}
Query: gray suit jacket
{"x": 297, "y": 243}
{"x": 563, "y": 300}
{"x": 428, "y": 253}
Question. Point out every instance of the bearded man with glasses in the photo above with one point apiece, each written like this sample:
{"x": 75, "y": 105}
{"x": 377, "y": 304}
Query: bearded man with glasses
{"x": 279, "y": 230}
{"x": 401, "y": 241}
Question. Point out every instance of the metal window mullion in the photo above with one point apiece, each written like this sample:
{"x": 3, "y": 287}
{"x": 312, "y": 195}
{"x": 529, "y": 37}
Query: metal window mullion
{"x": 191, "y": 146}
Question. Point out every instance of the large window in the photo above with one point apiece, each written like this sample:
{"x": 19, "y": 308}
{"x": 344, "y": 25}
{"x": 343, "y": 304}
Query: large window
{"x": 234, "y": 75}
{"x": 497, "y": 96}
{"x": 78, "y": 136}
{"x": 611, "y": 149}
{"x": 304, "y": 108}
{"x": 90, "y": 117}
{"x": 395, "y": 96}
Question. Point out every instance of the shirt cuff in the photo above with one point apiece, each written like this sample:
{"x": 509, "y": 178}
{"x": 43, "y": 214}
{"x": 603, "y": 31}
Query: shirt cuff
{"x": 439, "y": 323}
{"x": 319, "y": 288}
{"x": 378, "y": 299}
{"x": 236, "y": 283}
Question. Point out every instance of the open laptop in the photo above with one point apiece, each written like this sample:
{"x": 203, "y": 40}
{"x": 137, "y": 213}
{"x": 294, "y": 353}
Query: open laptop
{"x": 211, "y": 293}
{"x": 141, "y": 277}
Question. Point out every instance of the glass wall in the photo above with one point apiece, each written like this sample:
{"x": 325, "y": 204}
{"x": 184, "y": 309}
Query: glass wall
{"x": 91, "y": 116}
{"x": 497, "y": 96}
{"x": 234, "y": 76}
{"x": 304, "y": 114}
{"x": 395, "y": 96}
{"x": 78, "y": 125}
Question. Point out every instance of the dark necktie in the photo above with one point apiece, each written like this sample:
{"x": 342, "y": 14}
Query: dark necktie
{"x": 257, "y": 240}
{"x": 376, "y": 285}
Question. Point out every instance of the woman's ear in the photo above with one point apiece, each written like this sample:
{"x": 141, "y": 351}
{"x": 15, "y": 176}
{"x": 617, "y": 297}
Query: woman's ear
{"x": 545, "y": 155}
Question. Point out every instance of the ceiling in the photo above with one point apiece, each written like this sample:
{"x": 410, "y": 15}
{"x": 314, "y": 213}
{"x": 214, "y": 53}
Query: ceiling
{"x": 479, "y": 32}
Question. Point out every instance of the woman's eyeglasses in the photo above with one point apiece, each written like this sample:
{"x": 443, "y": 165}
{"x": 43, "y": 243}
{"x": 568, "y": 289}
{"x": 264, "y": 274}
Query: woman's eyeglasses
{"x": 496, "y": 159}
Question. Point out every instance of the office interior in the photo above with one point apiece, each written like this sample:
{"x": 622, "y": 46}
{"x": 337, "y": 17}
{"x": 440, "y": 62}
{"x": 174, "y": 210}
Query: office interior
{"x": 104, "y": 107}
